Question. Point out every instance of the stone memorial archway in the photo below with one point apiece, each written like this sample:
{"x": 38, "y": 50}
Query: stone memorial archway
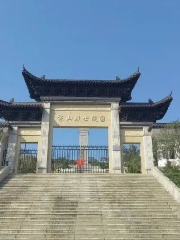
{"x": 82, "y": 104}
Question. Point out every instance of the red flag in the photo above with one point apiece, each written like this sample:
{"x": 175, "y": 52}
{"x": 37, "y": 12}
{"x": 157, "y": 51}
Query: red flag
{"x": 80, "y": 162}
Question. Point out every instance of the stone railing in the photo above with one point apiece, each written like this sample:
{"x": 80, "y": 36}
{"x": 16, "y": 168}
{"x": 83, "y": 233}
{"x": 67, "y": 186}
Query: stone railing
{"x": 167, "y": 183}
{"x": 4, "y": 172}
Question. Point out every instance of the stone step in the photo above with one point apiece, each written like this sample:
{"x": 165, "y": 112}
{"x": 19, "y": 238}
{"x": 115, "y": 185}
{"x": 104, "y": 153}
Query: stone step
{"x": 83, "y": 238}
{"x": 99, "y": 209}
{"x": 103, "y": 182}
{"x": 86, "y": 190}
{"x": 161, "y": 204}
{"x": 142, "y": 228}
{"x": 103, "y": 215}
{"x": 94, "y": 200}
{"x": 88, "y": 202}
{"x": 82, "y": 206}
{"x": 97, "y": 231}
{"x": 109, "y": 219}
{"x": 77, "y": 185}
{"x": 92, "y": 195}
{"x": 92, "y": 235}
{"x": 69, "y": 222}
{"x": 87, "y": 206}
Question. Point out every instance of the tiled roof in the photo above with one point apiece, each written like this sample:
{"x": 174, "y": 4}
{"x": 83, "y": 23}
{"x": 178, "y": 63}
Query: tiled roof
{"x": 20, "y": 104}
{"x": 157, "y": 125}
{"x": 4, "y": 125}
{"x": 18, "y": 111}
{"x": 144, "y": 112}
{"x": 149, "y": 104}
{"x": 41, "y": 87}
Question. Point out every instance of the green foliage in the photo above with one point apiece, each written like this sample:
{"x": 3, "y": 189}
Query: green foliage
{"x": 166, "y": 145}
{"x": 27, "y": 164}
{"x": 103, "y": 163}
{"x": 131, "y": 159}
{"x": 63, "y": 163}
{"x": 93, "y": 161}
{"x": 155, "y": 150}
{"x": 167, "y": 142}
{"x": 172, "y": 172}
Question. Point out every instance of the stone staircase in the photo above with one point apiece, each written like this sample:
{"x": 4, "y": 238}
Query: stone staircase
{"x": 86, "y": 206}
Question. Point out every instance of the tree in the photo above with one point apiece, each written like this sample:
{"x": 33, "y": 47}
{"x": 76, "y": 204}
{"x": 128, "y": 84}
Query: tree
{"x": 131, "y": 158}
{"x": 155, "y": 151}
{"x": 167, "y": 143}
{"x": 104, "y": 163}
{"x": 27, "y": 163}
{"x": 93, "y": 161}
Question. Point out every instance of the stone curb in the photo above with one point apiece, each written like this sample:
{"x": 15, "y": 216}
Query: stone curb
{"x": 167, "y": 183}
{"x": 4, "y": 172}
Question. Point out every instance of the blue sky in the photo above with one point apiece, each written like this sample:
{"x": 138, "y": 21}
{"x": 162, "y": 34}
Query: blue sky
{"x": 92, "y": 39}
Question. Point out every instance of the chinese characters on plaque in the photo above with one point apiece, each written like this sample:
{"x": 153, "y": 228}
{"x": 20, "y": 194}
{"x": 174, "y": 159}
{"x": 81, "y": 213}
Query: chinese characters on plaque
{"x": 79, "y": 118}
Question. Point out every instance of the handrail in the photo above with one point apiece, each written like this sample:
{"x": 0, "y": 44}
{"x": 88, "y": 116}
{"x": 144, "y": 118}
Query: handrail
{"x": 167, "y": 183}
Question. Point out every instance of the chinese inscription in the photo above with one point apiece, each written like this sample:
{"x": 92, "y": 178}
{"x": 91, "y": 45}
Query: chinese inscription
{"x": 79, "y": 118}
{"x": 29, "y": 132}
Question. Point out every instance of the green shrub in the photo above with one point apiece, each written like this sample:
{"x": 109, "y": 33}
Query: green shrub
{"x": 172, "y": 172}
{"x": 132, "y": 159}
{"x": 27, "y": 165}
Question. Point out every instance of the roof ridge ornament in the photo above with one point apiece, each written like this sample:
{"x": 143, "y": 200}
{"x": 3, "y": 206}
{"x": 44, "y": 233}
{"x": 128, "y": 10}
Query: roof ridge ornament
{"x": 118, "y": 78}
{"x": 166, "y": 99}
{"x": 151, "y": 101}
{"x": 11, "y": 100}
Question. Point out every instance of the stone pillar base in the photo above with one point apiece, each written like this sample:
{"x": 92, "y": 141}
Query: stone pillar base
{"x": 117, "y": 171}
{"x": 42, "y": 170}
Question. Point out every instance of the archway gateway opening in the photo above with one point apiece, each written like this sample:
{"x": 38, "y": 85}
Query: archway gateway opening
{"x": 80, "y": 150}
{"x": 27, "y": 158}
{"x": 131, "y": 158}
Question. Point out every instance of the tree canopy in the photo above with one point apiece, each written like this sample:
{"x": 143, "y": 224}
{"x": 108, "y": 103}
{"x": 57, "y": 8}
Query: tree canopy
{"x": 167, "y": 143}
{"x": 131, "y": 158}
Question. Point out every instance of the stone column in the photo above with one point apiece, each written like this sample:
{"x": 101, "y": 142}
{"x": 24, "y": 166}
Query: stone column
{"x": 1, "y": 151}
{"x": 1, "y": 148}
{"x": 83, "y": 136}
{"x": 115, "y": 138}
{"x": 3, "y": 145}
{"x": 42, "y": 161}
{"x": 12, "y": 149}
{"x": 83, "y": 141}
{"x": 4, "y": 133}
{"x": 148, "y": 150}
